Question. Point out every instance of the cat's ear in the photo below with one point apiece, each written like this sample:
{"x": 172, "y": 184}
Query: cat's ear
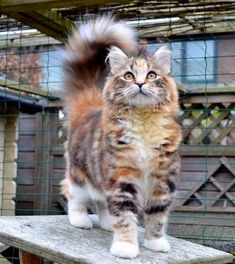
{"x": 162, "y": 58}
{"x": 116, "y": 58}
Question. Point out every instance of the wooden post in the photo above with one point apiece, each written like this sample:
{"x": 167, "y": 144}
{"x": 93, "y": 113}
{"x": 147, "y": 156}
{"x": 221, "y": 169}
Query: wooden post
{"x": 28, "y": 258}
{"x": 46, "y": 137}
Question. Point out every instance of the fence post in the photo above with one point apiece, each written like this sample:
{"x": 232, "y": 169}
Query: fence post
{"x": 45, "y": 138}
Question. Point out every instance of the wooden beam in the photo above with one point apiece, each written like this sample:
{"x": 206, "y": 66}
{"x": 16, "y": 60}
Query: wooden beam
{"x": 46, "y": 135}
{"x": 209, "y": 89}
{"x": 32, "y": 5}
{"x": 201, "y": 218}
{"x": 28, "y": 258}
{"x": 202, "y": 150}
{"x": 212, "y": 98}
{"x": 204, "y": 209}
{"x": 46, "y": 21}
{"x": 26, "y": 88}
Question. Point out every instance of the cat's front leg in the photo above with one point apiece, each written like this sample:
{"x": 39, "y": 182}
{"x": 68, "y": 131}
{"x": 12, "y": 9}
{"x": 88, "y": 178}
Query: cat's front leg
{"x": 155, "y": 217}
{"x": 161, "y": 195}
{"x": 124, "y": 209}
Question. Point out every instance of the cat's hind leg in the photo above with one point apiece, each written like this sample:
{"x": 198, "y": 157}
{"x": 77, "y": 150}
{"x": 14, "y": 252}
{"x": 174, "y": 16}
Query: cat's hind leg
{"x": 77, "y": 206}
{"x": 103, "y": 215}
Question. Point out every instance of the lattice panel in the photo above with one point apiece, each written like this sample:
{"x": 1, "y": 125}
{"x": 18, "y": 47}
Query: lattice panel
{"x": 211, "y": 124}
{"x": 217, "y": 190}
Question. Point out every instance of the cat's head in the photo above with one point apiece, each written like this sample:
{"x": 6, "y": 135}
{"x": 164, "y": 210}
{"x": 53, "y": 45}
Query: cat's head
{"x": 141, "y": 81}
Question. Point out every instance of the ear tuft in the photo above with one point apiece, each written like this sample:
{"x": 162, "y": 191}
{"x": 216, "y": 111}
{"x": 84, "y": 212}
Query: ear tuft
{"x": 162, "y": 58}
{"x": 117, "y": 58}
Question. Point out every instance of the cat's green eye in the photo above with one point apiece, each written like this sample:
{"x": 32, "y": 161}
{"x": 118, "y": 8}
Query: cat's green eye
{"x": 151, "y": 75}
{"x": 129, "y": 76}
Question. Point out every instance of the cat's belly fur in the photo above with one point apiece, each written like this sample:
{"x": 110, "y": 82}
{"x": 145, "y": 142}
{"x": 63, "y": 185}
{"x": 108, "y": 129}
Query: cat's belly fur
{"x": 145, "y": 140}
{"x": 147, "y": 163}
{"x": 145, "y": 157}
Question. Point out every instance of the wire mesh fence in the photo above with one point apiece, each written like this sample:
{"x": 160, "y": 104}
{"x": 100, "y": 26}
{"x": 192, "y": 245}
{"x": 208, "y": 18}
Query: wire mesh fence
{"x": 32, "y": 134}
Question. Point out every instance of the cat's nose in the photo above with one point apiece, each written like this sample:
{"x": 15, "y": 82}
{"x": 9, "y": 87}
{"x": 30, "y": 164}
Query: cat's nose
{"x": 140, "y": 84}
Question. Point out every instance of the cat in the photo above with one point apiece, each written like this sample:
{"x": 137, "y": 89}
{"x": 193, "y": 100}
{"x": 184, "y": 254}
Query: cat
{"x": 121, "y": 151}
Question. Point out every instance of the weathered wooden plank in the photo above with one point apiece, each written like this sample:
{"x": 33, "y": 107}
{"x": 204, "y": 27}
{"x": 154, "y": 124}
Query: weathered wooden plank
{"x": 27, "y": 143}
{"x": 52, "y": 237}
{"x": 58, "y": 162}
{"x": 205, "y": 209}
{"x": 48, "y": 22}
{"x": 210, "y": 90}
{"x": 24, "y": 208}
{"x": 212, "y": 98}
{"x": 30, "y": 5}
{"x": 2, "y": 248}
{"x": 207, "y": 150}
{"x": 26, "y": 88}
{"x": 25, "y": 176}
{"x": 212, "y": 219}
{"x": 46, "y": 136}
{"x": 28, "y": 258}
{"x": 40, "y": 121}
{"x": 27, "y": 160}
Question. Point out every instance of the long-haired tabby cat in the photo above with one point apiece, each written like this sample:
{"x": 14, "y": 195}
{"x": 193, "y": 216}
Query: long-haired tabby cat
{"x": 122, "y": 134}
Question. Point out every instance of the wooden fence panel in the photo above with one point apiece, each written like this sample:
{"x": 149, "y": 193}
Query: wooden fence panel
{"x": 207, "y": 178}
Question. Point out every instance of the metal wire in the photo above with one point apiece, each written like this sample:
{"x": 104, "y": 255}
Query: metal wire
{"x": 39, "y": 136}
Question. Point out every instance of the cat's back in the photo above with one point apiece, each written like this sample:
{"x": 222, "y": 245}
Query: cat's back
{"x": 84, "y": 127}
{"x": 83, "y": 111}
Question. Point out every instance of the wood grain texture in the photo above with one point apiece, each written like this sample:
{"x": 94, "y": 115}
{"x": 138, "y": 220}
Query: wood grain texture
{"x": 29, "y": 5}
{"x": 2, "y": 248}
{"x": 28, "y": 258}
{"x": 52, "y": 237}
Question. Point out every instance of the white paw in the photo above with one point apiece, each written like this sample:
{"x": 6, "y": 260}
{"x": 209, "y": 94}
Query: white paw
{"x": 124, "y": 249}
{"x": 80, "y": 220}
{"x": 105, "y": 224}
{"x": 95, "y": 219}
{"x": 157, "y": 244}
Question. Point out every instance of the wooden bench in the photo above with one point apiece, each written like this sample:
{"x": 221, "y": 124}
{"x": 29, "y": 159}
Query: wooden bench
{"x": 53, "y": 238}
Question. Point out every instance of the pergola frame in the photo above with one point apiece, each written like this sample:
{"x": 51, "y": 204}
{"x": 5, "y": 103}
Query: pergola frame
{"x": 168, "y": 18}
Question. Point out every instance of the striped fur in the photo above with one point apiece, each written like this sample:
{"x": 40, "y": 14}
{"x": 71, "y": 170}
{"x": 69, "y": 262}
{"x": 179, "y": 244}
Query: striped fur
{"x": 122, "y": 144}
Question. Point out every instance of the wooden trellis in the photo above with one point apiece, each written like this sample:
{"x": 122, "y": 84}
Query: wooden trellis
{"x": 208, "y": 124}
{"x": 215, "y": 192}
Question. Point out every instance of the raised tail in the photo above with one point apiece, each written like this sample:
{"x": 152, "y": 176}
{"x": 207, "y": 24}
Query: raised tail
{"x": 87, "y": 50}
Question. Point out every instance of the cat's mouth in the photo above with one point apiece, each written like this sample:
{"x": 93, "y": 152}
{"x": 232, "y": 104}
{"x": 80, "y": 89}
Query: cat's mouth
{"x": 140, "y": 92}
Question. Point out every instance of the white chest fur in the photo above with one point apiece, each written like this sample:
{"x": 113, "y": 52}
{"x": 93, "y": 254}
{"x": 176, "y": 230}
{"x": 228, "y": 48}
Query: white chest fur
{"x": 145, "y": 133}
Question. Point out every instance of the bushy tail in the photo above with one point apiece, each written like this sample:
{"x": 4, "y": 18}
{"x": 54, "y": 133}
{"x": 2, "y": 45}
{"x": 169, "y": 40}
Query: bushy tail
{"x": 87, "y": 49}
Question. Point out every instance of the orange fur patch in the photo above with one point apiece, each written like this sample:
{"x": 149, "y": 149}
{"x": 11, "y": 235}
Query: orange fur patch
{"x": 81, "y": 106}
{"x": 125, "y": 173}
